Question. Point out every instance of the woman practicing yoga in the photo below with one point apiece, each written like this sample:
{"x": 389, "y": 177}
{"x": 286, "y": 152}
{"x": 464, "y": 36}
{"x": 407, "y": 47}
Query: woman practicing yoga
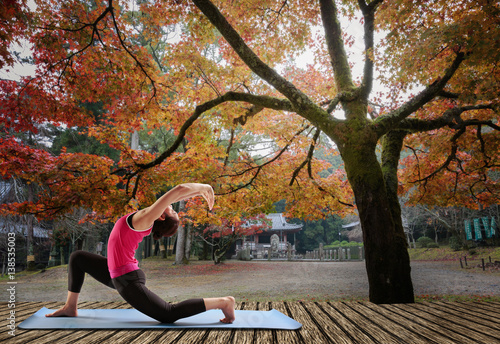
{"x": 121, "y": 271}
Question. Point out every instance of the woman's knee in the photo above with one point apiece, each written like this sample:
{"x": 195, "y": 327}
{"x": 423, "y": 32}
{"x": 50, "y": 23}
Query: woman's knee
{"x": 76, "y": 256}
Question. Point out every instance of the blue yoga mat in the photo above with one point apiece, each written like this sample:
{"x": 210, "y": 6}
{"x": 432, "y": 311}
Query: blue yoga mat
{"x": 133, "y": 319}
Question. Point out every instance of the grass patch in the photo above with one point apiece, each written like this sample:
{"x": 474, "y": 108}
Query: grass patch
{"x": 26, "y": 273}
{"x": 447, "y": 254}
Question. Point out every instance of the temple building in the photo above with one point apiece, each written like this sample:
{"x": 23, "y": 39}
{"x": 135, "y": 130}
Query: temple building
{"x": 353, "y": 231}
{"x": 276, "y": 238}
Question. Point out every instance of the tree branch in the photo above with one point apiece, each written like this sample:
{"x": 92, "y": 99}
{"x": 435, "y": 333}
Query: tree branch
{"x": 451, "y": 157}
{"x": 269, "y": 102}
{"x": 259, "y": 167}
{"x": 278, "y": 13}
{"x": 85, "y": 25}
{"x": 141, "y": 66}
{"x": 68, "y": 58}
{"x": 447, "y": 94}
{"x": 308, "y": 161}
{"x": 437, "y": 217}
{"x": 390, "y": 121}
{"x": 136, "y": 186}
{"x": 335, "y": 44}
{"x": 450, "y": 118}
{"x": 479, "y": 135}
{"x": 250, "y": 113}
{"x": 333, "y": 103}
{"x": 369, "y": 20}
{"x": 301, "y": 103}
{"x": 308, "y": 158}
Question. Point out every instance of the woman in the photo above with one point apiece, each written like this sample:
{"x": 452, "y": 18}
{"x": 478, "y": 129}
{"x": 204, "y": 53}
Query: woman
{"x": 121, "y": 271}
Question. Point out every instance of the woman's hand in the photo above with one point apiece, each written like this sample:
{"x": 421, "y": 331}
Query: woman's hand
{"x": 207, "y": 192}
{"x": 189, "y": 190}
{"x": 144, "y": 218}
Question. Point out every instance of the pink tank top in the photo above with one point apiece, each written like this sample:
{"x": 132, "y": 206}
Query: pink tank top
{"x": 122, "y": 244}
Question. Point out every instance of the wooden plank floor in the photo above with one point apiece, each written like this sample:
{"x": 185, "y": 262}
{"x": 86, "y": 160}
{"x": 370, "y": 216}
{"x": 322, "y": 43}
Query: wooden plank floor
{"x": 323, "y": 322}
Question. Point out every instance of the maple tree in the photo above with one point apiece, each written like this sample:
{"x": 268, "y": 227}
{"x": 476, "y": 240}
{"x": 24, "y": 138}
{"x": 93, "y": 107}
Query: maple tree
{"x": 228, "y": 69}
{"x": 13, "y": 19}
{"x": 226, "y": 232}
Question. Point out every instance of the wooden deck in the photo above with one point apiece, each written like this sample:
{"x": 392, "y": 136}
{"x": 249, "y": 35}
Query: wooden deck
{"x": 323, "y": 322}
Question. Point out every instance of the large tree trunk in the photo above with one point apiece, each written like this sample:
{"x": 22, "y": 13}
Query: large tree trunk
{"x": 180, "y": 251}
{"x": 387, "y": 259}
{"x": 188, "y": 240}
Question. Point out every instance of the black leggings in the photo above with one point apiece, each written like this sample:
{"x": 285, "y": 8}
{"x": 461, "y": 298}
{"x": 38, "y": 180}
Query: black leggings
{"x": 131, "y": 286}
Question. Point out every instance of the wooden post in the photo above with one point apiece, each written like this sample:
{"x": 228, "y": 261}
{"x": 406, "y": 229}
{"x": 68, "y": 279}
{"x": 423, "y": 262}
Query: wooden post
{"x": 170, "y": 246}
{"x": 61, "y": 250}
{"x": 163, "y": 251}
{"x": 461, "y": 265}
{"x": 482, "y": 259}
{"x": 321, "y": 252}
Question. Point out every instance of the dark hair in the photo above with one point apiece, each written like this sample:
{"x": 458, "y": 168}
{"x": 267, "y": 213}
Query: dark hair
{"x": 165, "y": 228}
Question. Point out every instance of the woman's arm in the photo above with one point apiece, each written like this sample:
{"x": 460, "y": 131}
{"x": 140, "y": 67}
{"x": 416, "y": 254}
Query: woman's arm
{"x": 144, "y": 218}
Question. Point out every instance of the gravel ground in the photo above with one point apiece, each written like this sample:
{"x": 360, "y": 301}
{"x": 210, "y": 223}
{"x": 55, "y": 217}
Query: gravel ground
{"x": 263, "y": 281}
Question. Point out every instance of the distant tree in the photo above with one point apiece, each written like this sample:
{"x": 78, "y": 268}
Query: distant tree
{"x": 224, "y": 233}
{"x": 314, "y": 232}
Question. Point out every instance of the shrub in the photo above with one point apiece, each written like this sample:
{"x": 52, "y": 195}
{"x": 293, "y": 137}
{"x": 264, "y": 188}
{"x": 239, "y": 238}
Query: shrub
{"x": 432, "y": 245}
{"x": 337, "y": 244}
{"x": 455, "y": 243}
{"x": 422, "y": 242}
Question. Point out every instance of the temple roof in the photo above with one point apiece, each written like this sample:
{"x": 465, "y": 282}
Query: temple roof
{"x": 352, "y": 224}
{"x": 279, "y": 223}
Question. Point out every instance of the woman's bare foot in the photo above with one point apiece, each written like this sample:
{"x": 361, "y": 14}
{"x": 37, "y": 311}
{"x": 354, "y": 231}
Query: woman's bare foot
{"x": 64, "y": 312}
{"x": 225, "y": 304}
{"x": 228, "y": 310}
{"x": 70, "y": 308}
